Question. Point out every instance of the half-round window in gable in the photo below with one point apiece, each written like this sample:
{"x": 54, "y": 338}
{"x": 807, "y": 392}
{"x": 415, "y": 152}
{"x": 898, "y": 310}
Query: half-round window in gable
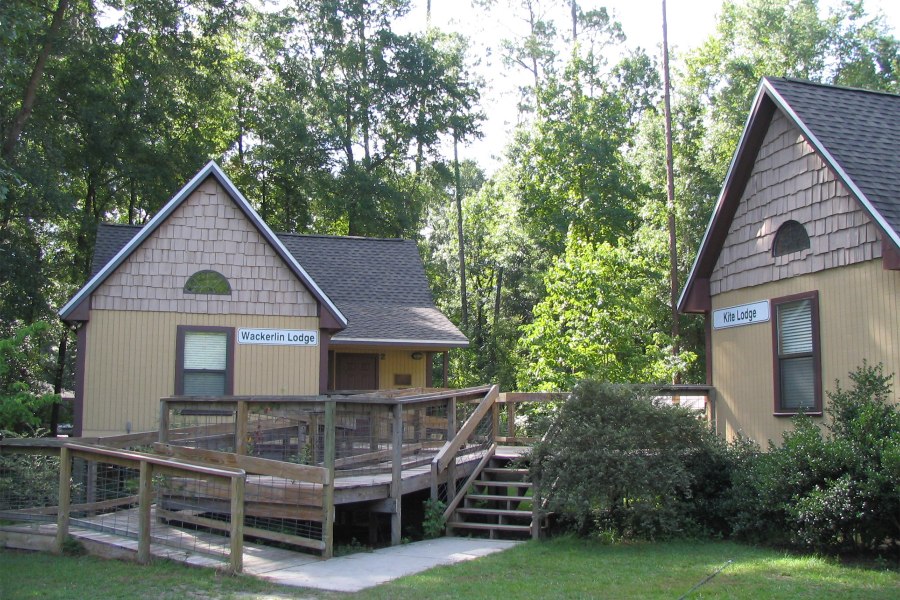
{"x": 790, "y": 237}
{"x": 207, "y": 282}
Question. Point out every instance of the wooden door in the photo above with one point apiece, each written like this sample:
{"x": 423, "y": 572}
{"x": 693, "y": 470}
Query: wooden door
{"x": 356, "y": 372}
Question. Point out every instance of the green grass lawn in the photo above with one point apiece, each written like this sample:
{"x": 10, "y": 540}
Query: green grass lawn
{"x": 560, "y": 568}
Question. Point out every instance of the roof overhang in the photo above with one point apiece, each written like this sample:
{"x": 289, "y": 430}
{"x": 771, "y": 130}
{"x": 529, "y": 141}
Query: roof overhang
{"x": 339, "y": 341}
{"x": 76, "y": 310}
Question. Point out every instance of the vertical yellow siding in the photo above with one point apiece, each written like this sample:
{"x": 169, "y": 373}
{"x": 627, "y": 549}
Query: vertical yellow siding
{"x": 858, "y": 319}
{"x": 130, "y": 364}
{"x": 400, "y": 362}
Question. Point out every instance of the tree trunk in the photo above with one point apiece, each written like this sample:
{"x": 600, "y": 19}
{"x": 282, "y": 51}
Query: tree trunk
{"x": 18, "y": 123}
{"x": 58, "y": 379}
{"x": 670, "y": 203}
{"x": 574, "y": 21}
{"x": 459, "y": 233}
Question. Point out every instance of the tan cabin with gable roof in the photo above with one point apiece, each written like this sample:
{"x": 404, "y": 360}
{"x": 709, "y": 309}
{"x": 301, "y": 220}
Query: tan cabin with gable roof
{"x": 798, "y": 274}
{"x": 206, "y": 300}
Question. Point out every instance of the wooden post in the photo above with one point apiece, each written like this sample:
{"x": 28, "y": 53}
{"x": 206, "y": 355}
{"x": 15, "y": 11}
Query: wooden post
{"x": 65, "y": 497}
{"x": 711, "y": 409}
{"x": 451, "y": 433}
{"x": 535, "y": 511}
{"x": 163, "y": 422}
{"x": 397, "y": 474}
{"x": 145, "y": 501}
{"x": 511, "y": 419}
{"x": 90, "y": 491}
{"x": 328, "y": 488}
{"x": 237, "y": 524}
{"x": 495, "y": 420}
{"x": 240, "y": 427}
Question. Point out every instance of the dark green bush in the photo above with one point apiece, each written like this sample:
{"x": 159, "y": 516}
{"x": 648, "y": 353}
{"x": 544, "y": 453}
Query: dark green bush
{"x": 620, "y": 463}
{"x": 832, "y": 491}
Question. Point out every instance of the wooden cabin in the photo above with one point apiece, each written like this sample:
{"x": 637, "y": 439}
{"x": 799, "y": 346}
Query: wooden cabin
{"x": 798, "y": 275}
{"x": 206, "y": 300}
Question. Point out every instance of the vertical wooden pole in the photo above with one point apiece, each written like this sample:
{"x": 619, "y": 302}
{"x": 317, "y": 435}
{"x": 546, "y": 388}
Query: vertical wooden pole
{"x": 397, "y": 474}
{"x": 328, "y": 488}
{"x": 511, "y": 419}
{"x": 535, "y": 511}
{"x": 240, "y": 427}
{"x": 90, "y": 491}
{"x": 163, "y": 422}
{"x": 65, "y": 497}
{"x": 237, "y": 523}
{"x": 145, "y": 501}
{"x": 495, "y": 420}
{"x": 451, "y": 433}
{"x": 670, "y": 197}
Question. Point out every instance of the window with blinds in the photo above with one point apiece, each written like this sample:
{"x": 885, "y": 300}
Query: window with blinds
{"x": 797, "y": 356}
{"x": 204, "y": 362}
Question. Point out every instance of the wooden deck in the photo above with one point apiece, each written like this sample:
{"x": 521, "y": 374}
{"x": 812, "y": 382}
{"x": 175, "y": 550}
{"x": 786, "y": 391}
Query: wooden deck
{"x": 285, "y": 468}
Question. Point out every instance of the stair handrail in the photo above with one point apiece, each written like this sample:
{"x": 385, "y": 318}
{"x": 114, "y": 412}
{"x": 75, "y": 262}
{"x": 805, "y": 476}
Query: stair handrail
{"x": 446, "y": 456}
{"x": 450, "y": 450}
{"x": 454, "y": 502}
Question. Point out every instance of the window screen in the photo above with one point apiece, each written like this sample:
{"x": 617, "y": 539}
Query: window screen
{"x": 204, "y": 362}
{"x": 796, "y": 361}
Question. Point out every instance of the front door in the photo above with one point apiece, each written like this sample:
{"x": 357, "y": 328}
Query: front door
{"x": 356, "y": 372}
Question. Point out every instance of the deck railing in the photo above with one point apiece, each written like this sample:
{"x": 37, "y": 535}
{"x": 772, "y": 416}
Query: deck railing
{"x": 117, "y": 491}
{"x": 350, "y": 436}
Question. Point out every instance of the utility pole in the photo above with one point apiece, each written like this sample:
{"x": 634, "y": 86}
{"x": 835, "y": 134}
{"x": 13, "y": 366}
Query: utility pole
{"x": 670, "y": 201}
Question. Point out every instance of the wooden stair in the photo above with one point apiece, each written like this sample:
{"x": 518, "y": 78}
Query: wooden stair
{"x": 498, "y": 504}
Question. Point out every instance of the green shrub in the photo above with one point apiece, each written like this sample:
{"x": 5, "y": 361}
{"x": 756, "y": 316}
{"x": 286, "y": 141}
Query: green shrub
{"x": 21, "y": 397}
{"x": 624, "y": 464}
{"x": 834, "y": 490}
{"x": 433, "y": 524}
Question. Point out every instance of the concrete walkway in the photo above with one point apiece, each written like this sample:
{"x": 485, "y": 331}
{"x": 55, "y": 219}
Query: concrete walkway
{"x": 356, "y": 572}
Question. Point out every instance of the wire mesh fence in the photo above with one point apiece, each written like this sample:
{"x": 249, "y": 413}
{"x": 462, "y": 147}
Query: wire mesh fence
{"x": 29, "y": 484}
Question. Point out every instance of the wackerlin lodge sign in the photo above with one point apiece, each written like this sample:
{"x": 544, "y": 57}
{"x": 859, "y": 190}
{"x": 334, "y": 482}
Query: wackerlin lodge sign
{"x": 278, "y": 337}
{"x": 745, "y": 314}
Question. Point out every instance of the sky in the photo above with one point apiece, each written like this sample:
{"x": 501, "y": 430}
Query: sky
{"x": 689, "y": 23}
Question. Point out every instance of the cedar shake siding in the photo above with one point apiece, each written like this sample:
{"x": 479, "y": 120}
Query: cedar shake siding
{"x": 791, "y": 182}
{"x": 206, "y": 232}
{"x": 827, "y": 158}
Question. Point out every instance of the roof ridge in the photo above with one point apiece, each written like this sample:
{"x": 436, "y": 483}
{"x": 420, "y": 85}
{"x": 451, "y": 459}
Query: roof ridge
{"x": 342, "y": 237}
{"x": 831, "y": 86}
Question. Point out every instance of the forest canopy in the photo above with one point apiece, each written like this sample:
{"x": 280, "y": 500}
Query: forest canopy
{"x": 338, "y": 117}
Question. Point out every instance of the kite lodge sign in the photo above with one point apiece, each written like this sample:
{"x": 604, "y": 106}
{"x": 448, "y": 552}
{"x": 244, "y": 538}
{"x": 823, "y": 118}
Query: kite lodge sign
{"x": 278, "y": 337}
{"x": 745, "y": 314}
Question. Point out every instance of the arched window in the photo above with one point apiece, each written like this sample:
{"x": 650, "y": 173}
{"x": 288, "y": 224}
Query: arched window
{"x": 207, "y": 282}
{"x": 790, "y": 237}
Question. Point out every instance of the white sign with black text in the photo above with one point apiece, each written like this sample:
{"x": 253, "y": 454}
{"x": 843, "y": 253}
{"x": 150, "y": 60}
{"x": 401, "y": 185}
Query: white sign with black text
{"x": 278, "y": 337}
{"x": 745, "y": 314}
